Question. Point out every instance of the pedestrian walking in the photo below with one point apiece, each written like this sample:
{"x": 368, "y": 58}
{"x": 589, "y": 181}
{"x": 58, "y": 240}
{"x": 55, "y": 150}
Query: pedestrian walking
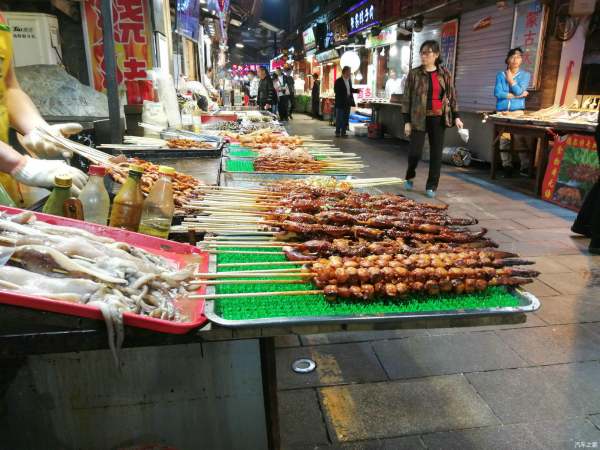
{"x": 289, "y": 81}
{"x": 429, "y": 107}
{"x": 283, "y": 96}
{"x": 315, "y": 95}
{"x": 264, "y": 96}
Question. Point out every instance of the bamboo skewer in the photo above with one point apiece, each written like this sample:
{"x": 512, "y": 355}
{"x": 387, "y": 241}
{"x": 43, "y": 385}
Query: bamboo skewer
{"x": 221, "y": 282}
{"x": 267, "y": 263}
{"x": 255, "y": 294}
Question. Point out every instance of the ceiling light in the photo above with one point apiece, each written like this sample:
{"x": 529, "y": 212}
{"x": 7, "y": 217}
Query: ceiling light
{"x": 239, "y": 45}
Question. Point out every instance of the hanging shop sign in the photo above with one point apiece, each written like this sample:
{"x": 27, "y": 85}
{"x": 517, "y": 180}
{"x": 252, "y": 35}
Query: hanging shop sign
{"x": 327, "y": 55}
{"x": 448, "y": 44}
{"x": 572, "y": 170}
{"x": 528, "y": 33}
{"x": 132, "y": 34}
{"x": 339, "y": 28}
{"x": 308, "y": 37}
{"x": 387, "y": 36}
{"x": 361, "y": 16}
{"x": 277, "y": 63}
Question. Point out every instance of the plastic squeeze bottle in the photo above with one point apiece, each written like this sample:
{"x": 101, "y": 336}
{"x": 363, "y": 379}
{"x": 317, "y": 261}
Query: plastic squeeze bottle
{"x": 60, "y": 194}
{"x": 127, "y": 206}
{"x": 94, "y": 197}
{"x": 159, "y": 208}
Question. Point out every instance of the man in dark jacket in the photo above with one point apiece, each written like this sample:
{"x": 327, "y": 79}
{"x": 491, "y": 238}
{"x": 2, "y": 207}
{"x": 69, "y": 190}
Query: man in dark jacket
{"x": 289, "y": 81}
{"x": 264, "y": 97}
{"x": 316, "y": 95}
{"x": 343, "y": 102}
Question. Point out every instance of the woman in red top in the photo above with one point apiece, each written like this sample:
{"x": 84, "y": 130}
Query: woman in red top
{"x": 429, "y": 107}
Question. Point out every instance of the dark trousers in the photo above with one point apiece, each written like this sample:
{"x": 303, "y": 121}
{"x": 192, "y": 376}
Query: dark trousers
{"x": 291, "y": 101}
{"x": 588, "y": 219}
{"x": 284, "y": 103}
{"x": 342, "y": 119}
{"x": 315, "y": 107}
{"x": 435, "y": 129}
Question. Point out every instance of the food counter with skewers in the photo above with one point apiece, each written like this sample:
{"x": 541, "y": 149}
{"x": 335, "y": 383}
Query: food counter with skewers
{"x": 279, "y": 256}
{"x": 545, "y": 125}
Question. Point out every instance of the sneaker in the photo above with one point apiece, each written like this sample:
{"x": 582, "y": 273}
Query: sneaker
{"x": 409, "y": 185}
{"x": 430, "y": 193}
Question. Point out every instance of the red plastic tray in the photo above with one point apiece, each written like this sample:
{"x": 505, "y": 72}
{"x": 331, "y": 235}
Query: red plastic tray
{"x": 182, "y": 254}
{"x": 206, "y": 118}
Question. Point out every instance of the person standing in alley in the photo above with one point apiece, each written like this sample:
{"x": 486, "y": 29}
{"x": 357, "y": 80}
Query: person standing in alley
{"x": 588, "y": 219}
{"x": 289, "y": 81}
{"x": 344, "y": 100}
{"x": 253, "y": 87}
{"x": 429, "y": 107}
{"x": 264, "y": 96}
{"x": 510, "y": 91}
{"x": 315, "y": 95}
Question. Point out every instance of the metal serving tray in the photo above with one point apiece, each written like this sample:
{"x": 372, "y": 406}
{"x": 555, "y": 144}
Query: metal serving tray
{"x": 250, "y": 180}
{"x": 528, "y": 303}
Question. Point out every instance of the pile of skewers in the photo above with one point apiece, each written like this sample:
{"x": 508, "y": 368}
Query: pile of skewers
{"x": 350, "y": 244}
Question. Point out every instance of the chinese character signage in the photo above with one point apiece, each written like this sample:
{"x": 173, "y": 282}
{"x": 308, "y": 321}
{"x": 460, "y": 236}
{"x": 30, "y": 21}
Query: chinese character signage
{"x": 327, "y": 55}
{"x": 448, "y": 44}
{"x": 573, "y": 168}
{"x": 132, "y": 34}
{"x": 361, "y": 16}
{"x": 528, "y": 33}
{"x": 387, "y": 36}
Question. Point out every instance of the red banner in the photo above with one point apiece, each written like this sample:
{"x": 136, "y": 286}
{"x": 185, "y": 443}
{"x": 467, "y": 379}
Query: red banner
{"x": 132, "y": 34}
{"x": 573, "y": 168}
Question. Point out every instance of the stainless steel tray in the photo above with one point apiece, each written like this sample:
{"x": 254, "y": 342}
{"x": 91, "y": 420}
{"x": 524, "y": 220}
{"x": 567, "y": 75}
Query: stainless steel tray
{"x": 528, "y": 303}
{"x": 251, "y": 180}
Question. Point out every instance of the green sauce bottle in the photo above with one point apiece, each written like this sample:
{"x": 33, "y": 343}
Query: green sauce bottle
{"x": 60, "y": 193}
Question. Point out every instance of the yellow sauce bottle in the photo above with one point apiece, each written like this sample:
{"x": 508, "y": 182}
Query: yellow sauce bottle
{"x": 60, "y": 194}
{"x": 127, "y": 206}
{"x": 159, "y": 208}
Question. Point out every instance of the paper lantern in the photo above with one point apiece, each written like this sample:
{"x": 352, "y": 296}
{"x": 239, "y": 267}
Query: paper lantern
{"x": 350, "y": 59}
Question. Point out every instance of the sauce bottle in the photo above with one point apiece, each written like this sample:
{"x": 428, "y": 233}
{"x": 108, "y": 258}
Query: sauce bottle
{"x": 158, "y": 210}
{"x": 127, "y": 206}
{"x": 60, "y": 193}
{"x": 94, "y": 197}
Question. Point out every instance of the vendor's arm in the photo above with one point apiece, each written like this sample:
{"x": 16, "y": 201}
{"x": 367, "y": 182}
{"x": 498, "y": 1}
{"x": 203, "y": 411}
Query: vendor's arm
{"x": 500, "y": 91}
{"x": 521, "y": 84}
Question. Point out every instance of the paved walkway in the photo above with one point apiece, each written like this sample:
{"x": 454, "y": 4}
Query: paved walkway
{"x": 534, "y": 385}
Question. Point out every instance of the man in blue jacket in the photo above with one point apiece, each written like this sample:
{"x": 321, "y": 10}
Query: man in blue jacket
{"x": 511, "y": 91}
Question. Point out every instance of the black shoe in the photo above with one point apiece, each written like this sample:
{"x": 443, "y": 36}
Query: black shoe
{"x": 508, "y": 172}
{"x": 595, "y": 246}
{"x": 344, "y": 135}
{"x": 580, "y": 229}
{"x": 337, "y": 134}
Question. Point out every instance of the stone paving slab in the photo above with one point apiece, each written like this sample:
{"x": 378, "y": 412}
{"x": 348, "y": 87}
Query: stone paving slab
{"x": 336, "y": 364}
{"x": 301, "y": 422}
{"x": 541, "y": 289}
{"x": 548, "y": 265}
{"x": 439, "y": 355}
{"x": 553, "y": 345}
{"x": 500, "y": 224}
{"x": 540, "y": 393}
{"x": 565, "y": 309}
{"x": 549, "y": 435}
{"x": 539, "y": 222}
{"x": 579, "y": 263}
{"x": 532, "y": 321}
{"x": 343, "y": 337}
{"x": 291, "y": 340}
{"x": 573, "y": 283}
{"x": 403, "y": 443}
{"x": 381, "y": 410}
{"x": 595, "y": 419}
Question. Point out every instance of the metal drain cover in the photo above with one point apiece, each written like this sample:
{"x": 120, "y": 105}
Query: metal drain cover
{"x": 304, "y": 365}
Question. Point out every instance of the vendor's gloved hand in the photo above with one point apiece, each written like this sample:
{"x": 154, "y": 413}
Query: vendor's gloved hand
{"x": 41, "y": 173}
{"x": 37, "y": 143}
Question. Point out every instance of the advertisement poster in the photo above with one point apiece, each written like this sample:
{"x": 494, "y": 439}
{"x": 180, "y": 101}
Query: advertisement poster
{"x": 133, "y": 36}
{"x": 308, "y": 37}
{"x": 573, "y": 168}
{"x": 449, "y": 42}
{"x": 188, "y": 19}
{"x": 528, "y": 31}
{"x": 387, "y": 36}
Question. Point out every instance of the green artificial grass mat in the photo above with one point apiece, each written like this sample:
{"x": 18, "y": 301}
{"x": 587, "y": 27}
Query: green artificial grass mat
{"x": 243, "y": 153}
{"x": 239, "y": 165}
{"x": 317, "y": 305}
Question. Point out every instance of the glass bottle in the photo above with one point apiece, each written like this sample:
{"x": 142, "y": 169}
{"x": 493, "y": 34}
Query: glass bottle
{"x": 159, "y": 208}
{"x": 94, "y": 197}
{"x": 60, "y": 193}
{"x": 127, "y": 206}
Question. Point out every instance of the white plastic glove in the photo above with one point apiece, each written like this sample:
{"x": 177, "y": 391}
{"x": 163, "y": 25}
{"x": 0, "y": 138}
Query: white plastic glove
{"x": 36, "y": 143}
{"x": 41, "y": 173}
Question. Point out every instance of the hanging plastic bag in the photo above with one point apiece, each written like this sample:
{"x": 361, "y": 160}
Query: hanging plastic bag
{"x": 464, "y": 135}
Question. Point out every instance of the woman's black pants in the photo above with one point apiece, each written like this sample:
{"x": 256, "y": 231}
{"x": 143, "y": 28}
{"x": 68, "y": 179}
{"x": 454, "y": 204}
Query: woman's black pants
{"x": 435, "y": 129}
